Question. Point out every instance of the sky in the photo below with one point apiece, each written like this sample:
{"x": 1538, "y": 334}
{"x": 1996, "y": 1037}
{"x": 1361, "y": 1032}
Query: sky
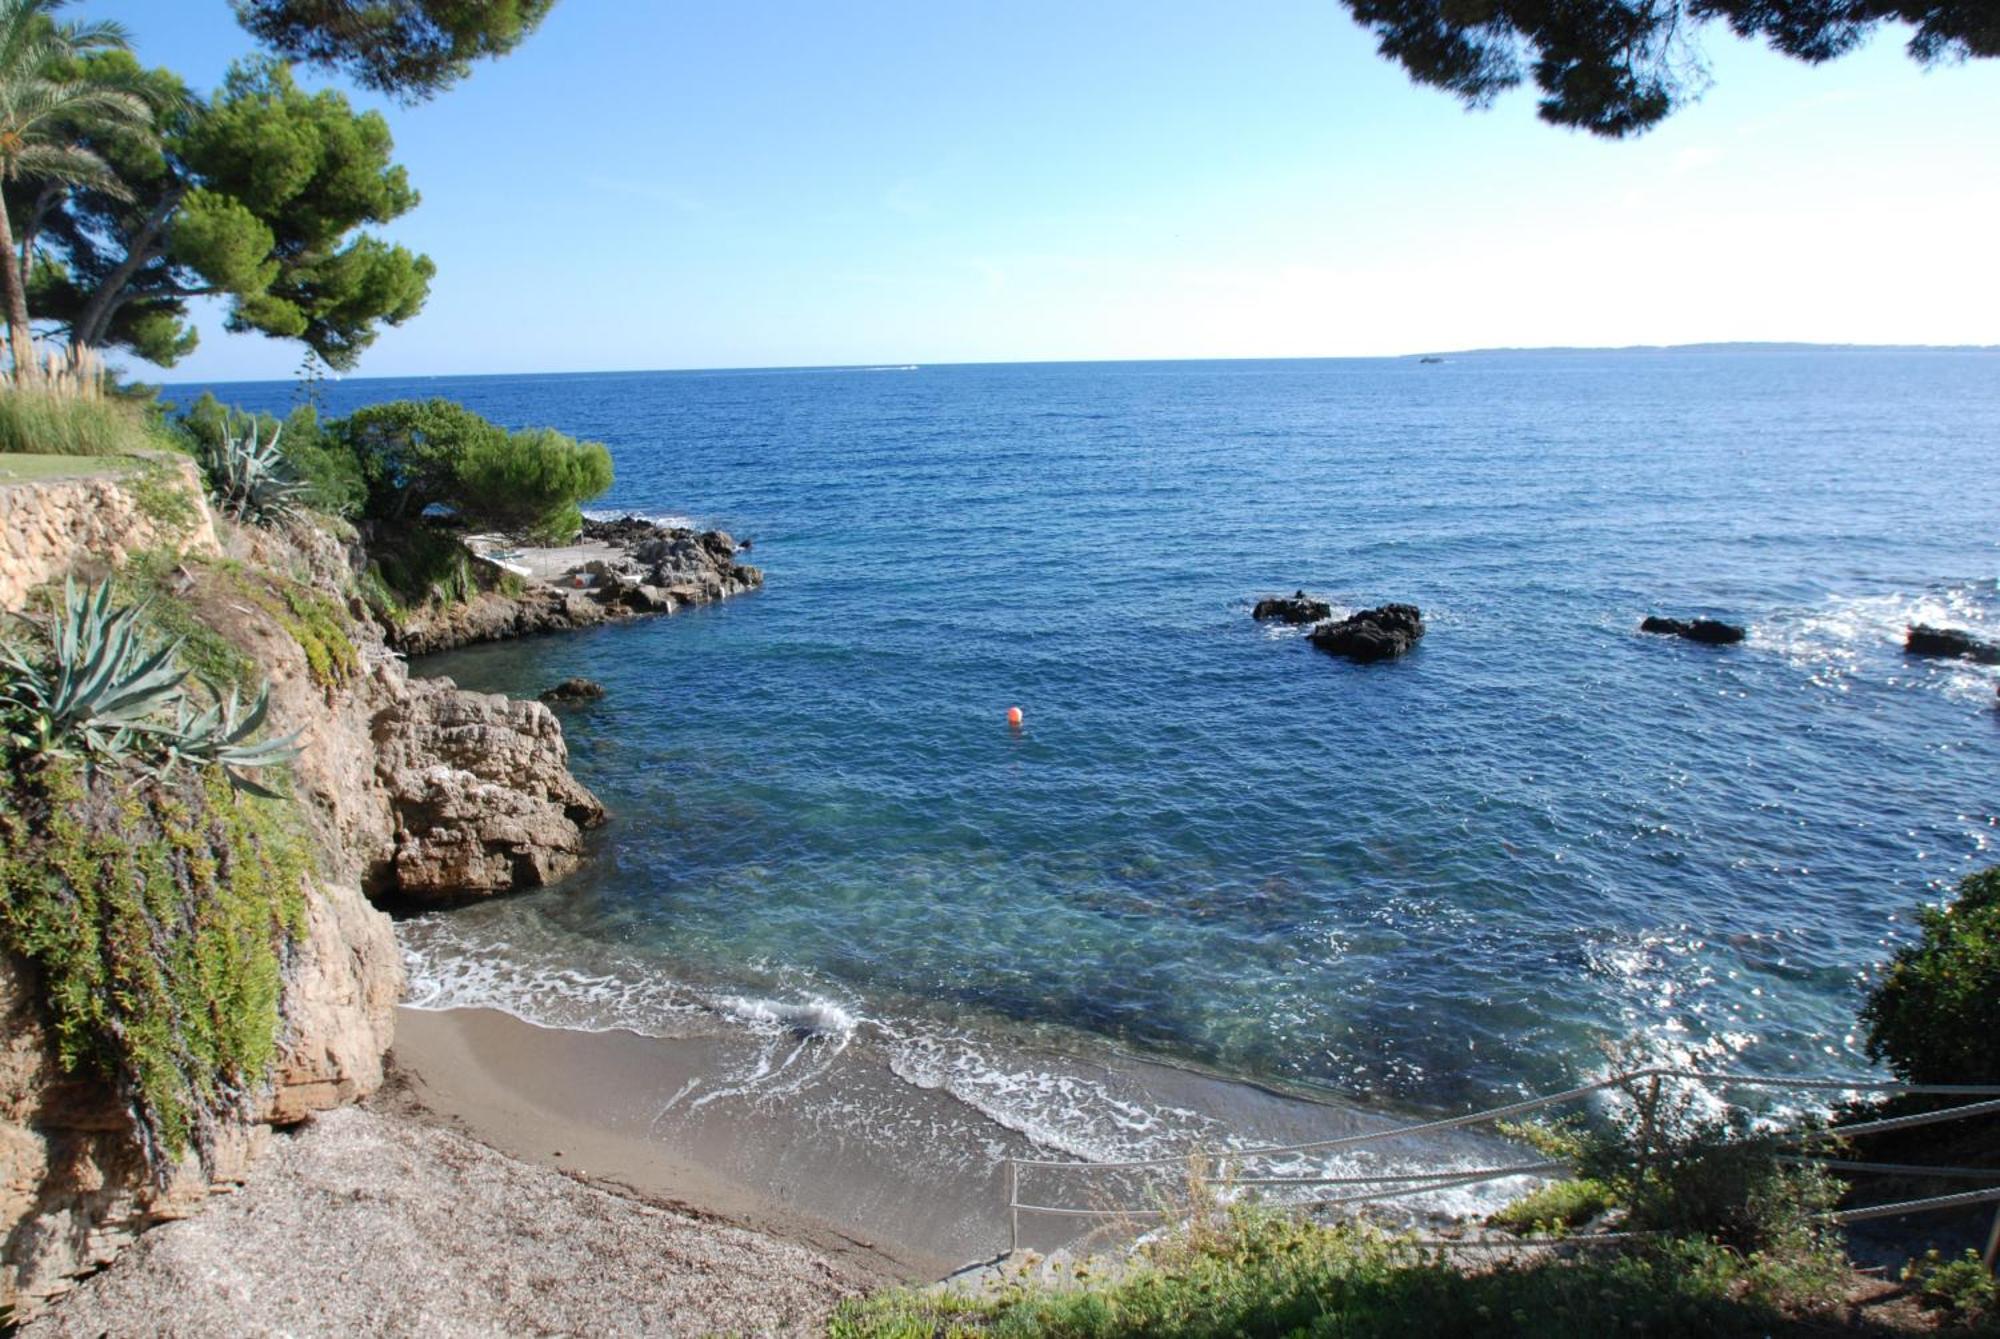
{"x": 722, "y": 183}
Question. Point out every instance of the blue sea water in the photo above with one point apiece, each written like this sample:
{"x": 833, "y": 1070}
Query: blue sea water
{"x": 1435, "y": 881}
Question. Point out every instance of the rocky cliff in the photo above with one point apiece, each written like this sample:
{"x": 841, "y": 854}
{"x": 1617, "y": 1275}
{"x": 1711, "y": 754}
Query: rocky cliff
{"x": 407, "y": 786}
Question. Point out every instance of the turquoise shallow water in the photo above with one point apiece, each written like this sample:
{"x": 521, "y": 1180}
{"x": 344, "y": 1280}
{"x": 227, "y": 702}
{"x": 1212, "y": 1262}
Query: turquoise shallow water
{"x": 1436, "y": 880}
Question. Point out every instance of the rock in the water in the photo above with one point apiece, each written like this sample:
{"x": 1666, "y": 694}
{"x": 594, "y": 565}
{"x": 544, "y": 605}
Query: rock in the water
{"x": 1950, "y": 643}
{"x": 573, "y": 690}
{"x": 1707, "y": 630}
{"x": 1299, "y": 608}
{"x": 481, "y": 792}
{"x": 1372, "y": 634}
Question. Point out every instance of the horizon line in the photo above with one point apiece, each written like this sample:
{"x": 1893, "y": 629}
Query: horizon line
{"x": 1742, "y": 346}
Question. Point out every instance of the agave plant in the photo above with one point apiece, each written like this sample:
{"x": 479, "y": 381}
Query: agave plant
{"x": 104, "y": 697}
{"x": 220, "y": 737}
{"x": 102, "y": 689}
{"x": 250, "y": 480}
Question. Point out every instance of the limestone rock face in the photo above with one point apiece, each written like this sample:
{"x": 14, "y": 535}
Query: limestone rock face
{"x": 409, "y": 786}
{"x": 480, "y": 789}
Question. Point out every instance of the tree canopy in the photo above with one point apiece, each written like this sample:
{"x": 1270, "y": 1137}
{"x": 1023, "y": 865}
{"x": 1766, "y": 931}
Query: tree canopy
{"x": 261, "y": 196}
{"x": 1618, "y": 67}
{"x": 419, "y": 455}
{"x": 41, "y": 142}
{"x": 409, "y": 48}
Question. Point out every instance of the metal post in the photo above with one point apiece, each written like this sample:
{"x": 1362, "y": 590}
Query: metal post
{"x": 1013, "y": 1206}
{"x": 1993, "y": 1246}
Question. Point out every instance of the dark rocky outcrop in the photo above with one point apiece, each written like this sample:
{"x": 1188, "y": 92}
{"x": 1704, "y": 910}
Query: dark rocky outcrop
{"x": 1949, "y": 644}
{"x": 571, "y": 691}
{"x": 1709, "y": 631}
{"x": 1372, "y": 634}
{"x": 1298, "y": 608}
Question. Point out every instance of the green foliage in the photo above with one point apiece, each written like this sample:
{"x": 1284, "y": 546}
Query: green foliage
{"x": 39, "y": 424}
{"x": 152, "y": 580}
{"x": 1963, "y": 1289}
{"x": 1931, "y": 1015}
{"x": 163, "y": 498}
{"x": 1619, "y": 67}
{"x": 417, "y": 566}
{"x": 250, "y": 479}
{"x": 1689, "y": 1174}
{"x": 158, "y": 911}
{"x": 319, "y": 626}
{"x": 317, "y": 458}
{"x": 1263, "y": 1274}
{"x": 260, "y": 195}
{"x": 1555, "y": 1207}
{"x": 101, "y": 695}
{"x": 529, "y": 483}
{"x": 410, "y": 48}
{"x": 100, "y": 690}
{"x": 420, "y": 455}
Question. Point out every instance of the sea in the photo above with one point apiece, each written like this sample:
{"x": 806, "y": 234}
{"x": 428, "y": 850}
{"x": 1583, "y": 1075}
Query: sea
{"x": 1541, "y": 844}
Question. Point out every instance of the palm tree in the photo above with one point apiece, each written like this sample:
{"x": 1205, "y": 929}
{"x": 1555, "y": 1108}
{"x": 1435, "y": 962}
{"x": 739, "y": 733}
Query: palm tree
{"x": 39, "y": 100}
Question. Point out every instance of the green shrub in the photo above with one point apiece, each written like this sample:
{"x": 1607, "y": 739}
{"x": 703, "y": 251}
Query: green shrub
{"x": 1555, "y": 1207}
{"x": 1964, "y": 1290}
{"x": 419, "y": 565}
{"x": 434, "y": 454}
{"x": 320, "y": 461}
{"x": 1265, "y": 1274}
{"x": 249, "y": 478}
{"x": 98, "y": 692}
{"x": 157, "y": 911}
{"x": 38, "y": 423}
{"x": 529, "y": 483}
{"x": 1931, "y": 1015}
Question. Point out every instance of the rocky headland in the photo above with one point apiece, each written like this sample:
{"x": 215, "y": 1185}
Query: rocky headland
{"x": 618, "y": 569}
{"x": 409, "y": 790}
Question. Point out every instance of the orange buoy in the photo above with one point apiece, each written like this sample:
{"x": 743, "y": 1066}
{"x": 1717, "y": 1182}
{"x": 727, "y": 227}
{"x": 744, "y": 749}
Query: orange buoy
{"x": 1014, "y": 717}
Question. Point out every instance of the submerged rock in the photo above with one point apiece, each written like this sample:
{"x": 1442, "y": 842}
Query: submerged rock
{"x": 1372, "y": 634}
{"x": 1950, "y": 644}
{"x": 1709, "y": 631}
{"x": 573, "y": 690}
{"x": 1299, "y": 608}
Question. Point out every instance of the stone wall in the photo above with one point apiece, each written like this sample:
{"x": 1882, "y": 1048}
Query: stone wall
{"x": 47, "y": 525}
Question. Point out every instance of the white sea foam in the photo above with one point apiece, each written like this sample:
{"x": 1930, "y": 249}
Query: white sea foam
{"x": 797, "y": 1037}
{"x": 1850, "y": 636}
{"x": 670, "y": 520}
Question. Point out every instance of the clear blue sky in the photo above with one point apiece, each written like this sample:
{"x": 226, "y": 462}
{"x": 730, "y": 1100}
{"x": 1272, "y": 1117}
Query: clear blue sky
{"x": 717, "y": 183}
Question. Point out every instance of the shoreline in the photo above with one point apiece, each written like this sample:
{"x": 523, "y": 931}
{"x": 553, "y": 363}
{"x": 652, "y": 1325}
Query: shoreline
{"x": 824, "y": 1143}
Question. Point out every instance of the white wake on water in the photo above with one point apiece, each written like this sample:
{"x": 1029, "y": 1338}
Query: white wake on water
{"x": 1845, "y": 637}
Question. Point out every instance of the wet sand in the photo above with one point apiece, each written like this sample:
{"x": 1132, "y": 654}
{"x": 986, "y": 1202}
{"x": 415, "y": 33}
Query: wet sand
{"x": 832, "y": 1149}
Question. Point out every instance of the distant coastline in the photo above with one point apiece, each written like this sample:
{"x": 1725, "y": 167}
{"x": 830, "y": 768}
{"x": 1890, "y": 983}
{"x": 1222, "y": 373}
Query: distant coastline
{"x": 1713, "y": 346}
{"x": 1718, "y": 346}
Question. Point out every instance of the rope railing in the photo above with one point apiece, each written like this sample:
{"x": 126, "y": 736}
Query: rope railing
{"x": 1391, "y": 1185}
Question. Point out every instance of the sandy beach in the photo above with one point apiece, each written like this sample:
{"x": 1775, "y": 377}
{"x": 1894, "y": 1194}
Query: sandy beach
{"x": 894, "y": 1178}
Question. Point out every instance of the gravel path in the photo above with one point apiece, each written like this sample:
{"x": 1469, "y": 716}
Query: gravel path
{"x": 365, "y": 1223}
